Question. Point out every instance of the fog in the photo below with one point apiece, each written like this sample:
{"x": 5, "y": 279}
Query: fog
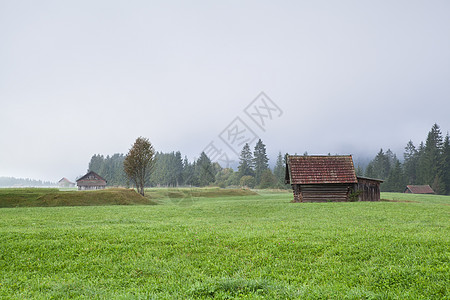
{"x": 342, "y": 77}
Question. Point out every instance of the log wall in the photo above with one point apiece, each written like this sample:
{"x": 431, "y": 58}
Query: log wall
{"x": 321, "y": 192}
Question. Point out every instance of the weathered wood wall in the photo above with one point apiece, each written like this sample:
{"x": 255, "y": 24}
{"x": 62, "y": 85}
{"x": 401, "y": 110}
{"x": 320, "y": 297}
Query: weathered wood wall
{"x": 297, "y": 193}
{"x": 91, "y": 187}
{"x": 369, "y": 189}
{"x": 321, "y": 192}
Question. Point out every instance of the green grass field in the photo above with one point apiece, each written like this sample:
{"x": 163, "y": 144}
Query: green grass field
{"x": 426, "y": 199}
{"x": 234, "y": 245}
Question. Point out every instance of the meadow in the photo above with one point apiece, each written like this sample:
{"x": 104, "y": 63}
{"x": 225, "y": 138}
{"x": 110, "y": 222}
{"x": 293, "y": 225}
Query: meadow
{"x": 198, "y": 244}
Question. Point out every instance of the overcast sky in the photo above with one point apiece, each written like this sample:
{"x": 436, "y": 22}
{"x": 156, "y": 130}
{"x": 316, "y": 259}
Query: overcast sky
{"x": 342, "y": 77}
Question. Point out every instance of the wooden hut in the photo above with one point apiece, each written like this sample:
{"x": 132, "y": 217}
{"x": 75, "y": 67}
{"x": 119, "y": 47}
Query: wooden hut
{"x": 321, "y": 178}
{"x": 91, "y": 181}
{"x": 419, "y": 189}
{"x": 65, "y": 183}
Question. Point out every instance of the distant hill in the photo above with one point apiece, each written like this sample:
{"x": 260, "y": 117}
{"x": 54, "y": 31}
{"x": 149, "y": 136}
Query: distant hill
{"x": 24, "y": 182}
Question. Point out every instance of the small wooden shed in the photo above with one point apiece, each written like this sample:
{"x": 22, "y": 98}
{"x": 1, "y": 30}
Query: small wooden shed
{"x": 65, "y": 183}
{"x": 419, "y": 189}
{"x": 368, "y": 189}
{"x": 91, "y": 181}
{"x": 321, "y": 178}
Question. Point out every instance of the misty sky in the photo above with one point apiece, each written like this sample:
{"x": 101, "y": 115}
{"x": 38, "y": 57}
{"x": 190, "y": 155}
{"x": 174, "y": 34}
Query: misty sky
{"x": 342, "y": 77}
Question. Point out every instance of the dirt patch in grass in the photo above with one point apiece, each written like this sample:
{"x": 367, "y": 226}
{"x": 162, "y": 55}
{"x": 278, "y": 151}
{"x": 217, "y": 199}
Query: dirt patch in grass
{"x": 406, "y": 201}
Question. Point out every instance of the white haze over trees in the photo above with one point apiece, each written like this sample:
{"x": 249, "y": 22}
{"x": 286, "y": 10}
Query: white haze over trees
{"x": 79, "y": 78}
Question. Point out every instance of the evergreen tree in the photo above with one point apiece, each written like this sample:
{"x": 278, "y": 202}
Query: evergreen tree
{"x": 419, "y": 172}
{"x": 279, "y": 171}
{"x": 261, "y": 162}
{"x": 168, "y": 170}
{"x": 359, "y": 171}
{"x": 174, "y": 169}
{"x": 192, "y": 178}
{"x": 178, "y": 168}
{"x": 116, "y": 173}
{"x": 446, "y": 164}
{"x": 430, "y": 162}
{"x": 438, "y": 185}
{"x": 386, "y": 166}
{"x": 410, "y": 163}
{"x": 157, "y": 176}
{"x": 189, "y": 177}
{"x": 204, "y": 170}
{"x": 395, "y": 181}
{"x": 380, "y": 166}
{"x": 391, "y": 158}
{"x": 369, "y": 171}
{"x": 245, "y": 162}
{"x": 96, "y": 164}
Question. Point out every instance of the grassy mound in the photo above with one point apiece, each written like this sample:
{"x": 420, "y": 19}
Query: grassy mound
{"x": 54, "y": 197}
{"x": 12, "y": 197}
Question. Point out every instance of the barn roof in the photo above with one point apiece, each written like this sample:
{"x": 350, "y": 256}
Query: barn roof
{"x": 91, "y": 178}
{"x": 420, "y": 189}
{"x": 320, "y": 169}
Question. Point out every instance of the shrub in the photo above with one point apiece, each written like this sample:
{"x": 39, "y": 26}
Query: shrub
{"x": 247, "y": 181}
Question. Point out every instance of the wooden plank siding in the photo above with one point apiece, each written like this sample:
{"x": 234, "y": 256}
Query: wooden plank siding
{"x": 368, "y": 189}
{"x": 325, "y": 192}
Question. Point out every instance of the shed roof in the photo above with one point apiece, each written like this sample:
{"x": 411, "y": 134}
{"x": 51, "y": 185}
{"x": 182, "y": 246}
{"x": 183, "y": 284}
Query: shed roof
{"x": 420, "y": 189}
{"x": 370, "y": 179}
{"x": 64, "y": 179}
{"x": 319, "y": 169}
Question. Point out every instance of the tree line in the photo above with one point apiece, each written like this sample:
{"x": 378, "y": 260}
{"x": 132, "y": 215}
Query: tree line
{"x": 19, "y": 182}
{"x": 172, "y": 170}
{"x": 428, "y": 163}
